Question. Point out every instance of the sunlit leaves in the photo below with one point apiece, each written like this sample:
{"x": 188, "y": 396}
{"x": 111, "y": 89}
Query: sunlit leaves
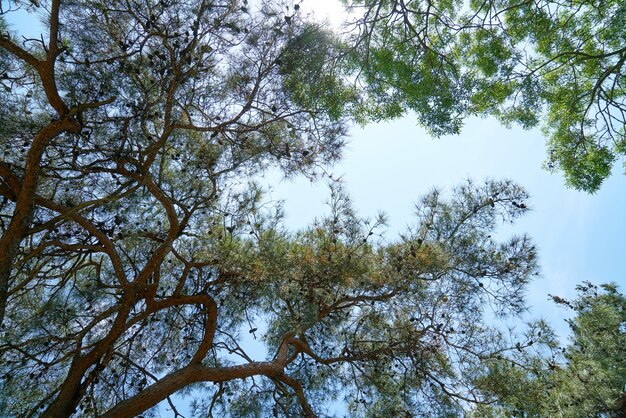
{"x": 523, "y": 62}
{"x": 310, "y": 74}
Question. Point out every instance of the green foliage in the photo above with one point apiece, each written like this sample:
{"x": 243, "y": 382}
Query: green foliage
{"x": 141, "y": 260}
{"x": 523, "y": 62}
{"x": 391, "y": 327}
{"x": 406, "y": 69}
{"x": 311, "y": 76}
{"x": 585, "y": 379}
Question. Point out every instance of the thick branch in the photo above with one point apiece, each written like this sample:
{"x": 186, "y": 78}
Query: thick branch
{"x": 297, "y": 387}
{"x": 23, "y": 212}
{"x": 7, "y": 44}
{"x": 194, "y": 373}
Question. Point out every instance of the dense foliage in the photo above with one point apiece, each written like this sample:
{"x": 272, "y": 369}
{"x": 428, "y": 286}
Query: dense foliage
{"x": 587, "y": 378}
{"x": 523, "y": 61}
{"x": 139, "y": 259}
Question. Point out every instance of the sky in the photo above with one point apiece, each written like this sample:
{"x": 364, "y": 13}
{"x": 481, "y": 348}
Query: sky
{"x": 388, "y": 166}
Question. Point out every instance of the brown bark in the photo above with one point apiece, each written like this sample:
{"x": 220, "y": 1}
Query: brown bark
{"x": 297, "y": 387}
{"x": 621, "y": 406}
{"x": 70, "y": 391}
{"x": 196, "y": 372}
{"x": 192, "y": 373}
{"x": 22, "y": 215}
{"x": 24, "y": 205}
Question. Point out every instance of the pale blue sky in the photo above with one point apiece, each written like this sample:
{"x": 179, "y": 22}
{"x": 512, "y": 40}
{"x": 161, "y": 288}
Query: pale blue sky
{"x": 388, "y": 166}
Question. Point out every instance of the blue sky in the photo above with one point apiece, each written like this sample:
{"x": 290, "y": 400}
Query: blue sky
{"x": 388, "y": 166}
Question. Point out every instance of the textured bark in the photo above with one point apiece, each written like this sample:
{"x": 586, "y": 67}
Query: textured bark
{"x": 196, "y": 372}
{"x": 70, "y": 391}
{"x": 299, "y": 390}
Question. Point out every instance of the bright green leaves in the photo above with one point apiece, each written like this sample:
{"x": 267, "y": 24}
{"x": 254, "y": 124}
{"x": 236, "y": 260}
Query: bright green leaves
{"x": 487, "y": 51}
{"x": 426, "y": 85}
{"x": 405, "y": 66}
{"x": 584, "y": 163}
{"x": 566, "y": 67}
{"x": 517, "y": 61}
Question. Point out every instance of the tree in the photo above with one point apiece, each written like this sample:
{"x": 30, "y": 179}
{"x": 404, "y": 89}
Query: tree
{"x": 137, "y": 252}
{"x": 142, "y": 90}
{"x": 398, "y": 327}
{"x": 585, "y": 379}
{"x": 124, "y": 141}
{"x": 522, "y": 61}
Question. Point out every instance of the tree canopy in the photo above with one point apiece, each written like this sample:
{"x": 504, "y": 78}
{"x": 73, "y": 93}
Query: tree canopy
{"x": 522, "y": 61}
{"x": 139, "y": 259}
{"x": 587, "y": 378}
